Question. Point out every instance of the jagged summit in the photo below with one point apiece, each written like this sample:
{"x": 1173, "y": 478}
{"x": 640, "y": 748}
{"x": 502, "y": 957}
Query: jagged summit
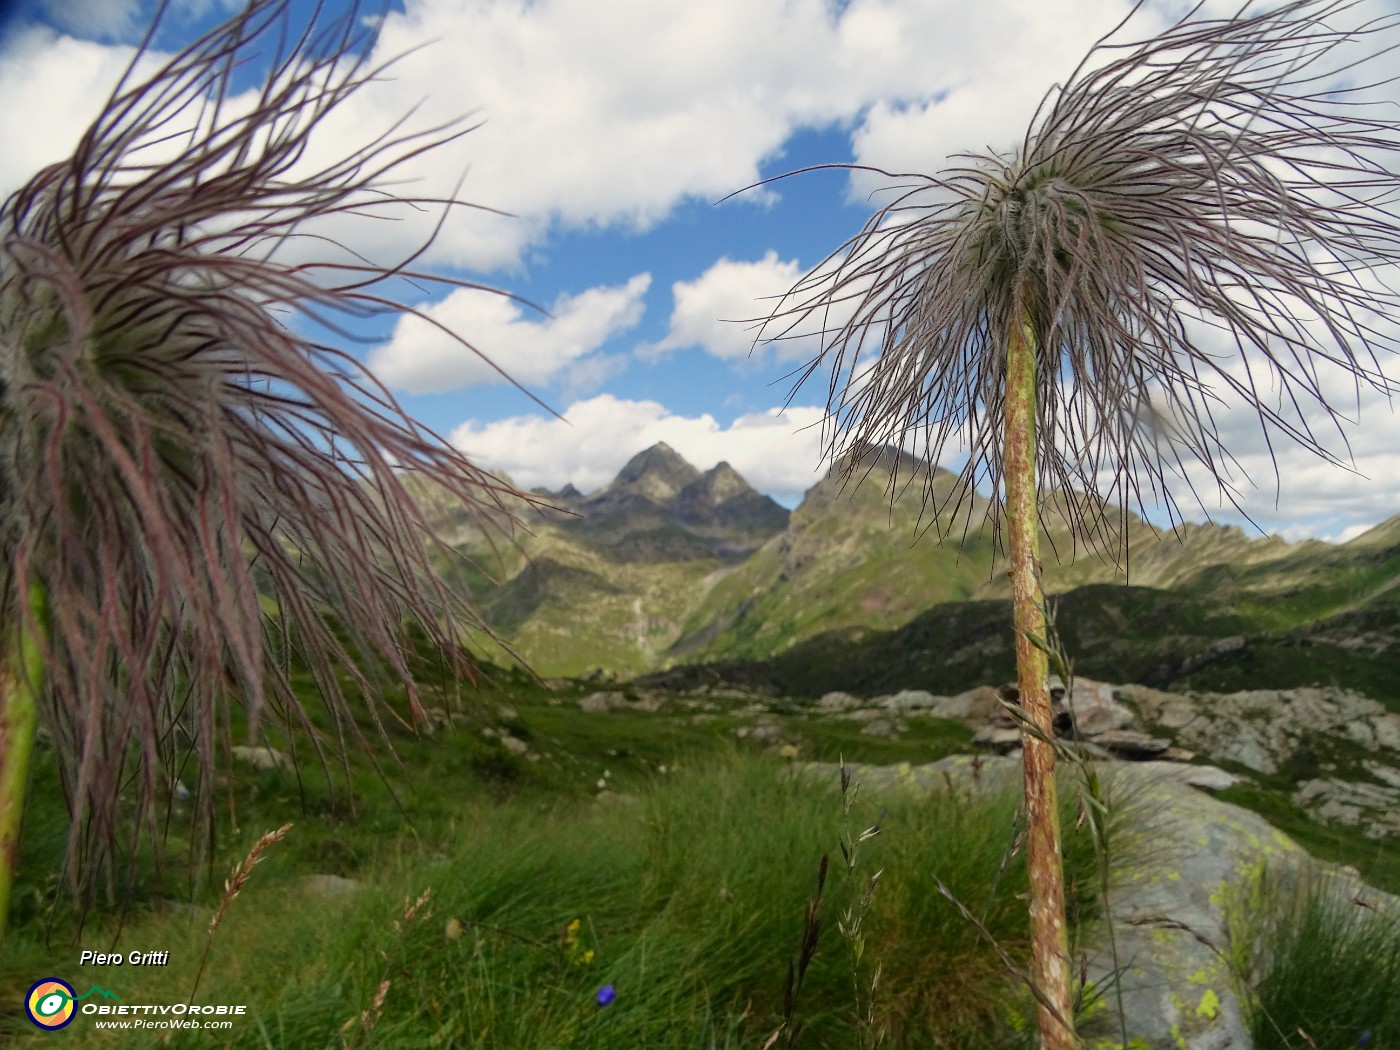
{"x": 717, "y": 486}
{"x": 722, "y": 482}
{"x": 721, "y": 500}
{"x": 883, "y": 468}
{"x": 875, "y": 480}
{"x": 658, "y": 473}
{"x": 662, "y": 508}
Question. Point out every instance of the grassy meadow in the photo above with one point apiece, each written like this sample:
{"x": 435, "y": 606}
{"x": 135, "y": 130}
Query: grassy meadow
{"x": 649, "y": 854}
{"x": 529, "y": 857}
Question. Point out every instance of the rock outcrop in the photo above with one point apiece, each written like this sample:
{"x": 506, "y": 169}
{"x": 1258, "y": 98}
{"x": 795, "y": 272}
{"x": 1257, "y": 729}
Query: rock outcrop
{"x": 1189, "y": 859}
{"x": 1091, "y": 717}
{"x": 660, "y": 507}
{"x": 1340, "y": 748}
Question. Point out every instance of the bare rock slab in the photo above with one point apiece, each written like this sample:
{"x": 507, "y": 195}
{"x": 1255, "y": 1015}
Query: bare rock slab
{"x": 1130, "y": 744}
{"x": 998, "y": 739}
{"x": 1095, "y": 710}
{"x": 1206, "y": 778}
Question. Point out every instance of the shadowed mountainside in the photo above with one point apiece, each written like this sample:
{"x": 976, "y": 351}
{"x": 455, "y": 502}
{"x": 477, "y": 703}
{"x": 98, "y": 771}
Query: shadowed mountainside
{"x": 669, "y": 566}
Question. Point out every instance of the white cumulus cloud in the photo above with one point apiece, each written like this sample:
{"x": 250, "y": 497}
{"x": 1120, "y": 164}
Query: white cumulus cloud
{"x": 99, "y": 18}
{"x": 113, "y": 19}
{"x": 611, "y": 112}
{"x": 422, "y": 356}
{"x": 721, "y": 310}
{"x": 51, "y": 88}
{"x": 1281, "y": 485}
{"x": 734, "y": 303}
{"x": 995, "y": 69}
{"x": 1279, "y": 488}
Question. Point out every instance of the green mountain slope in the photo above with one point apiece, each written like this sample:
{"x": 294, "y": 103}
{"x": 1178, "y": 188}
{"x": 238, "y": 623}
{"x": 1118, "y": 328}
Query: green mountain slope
{"x": 853, "y": 556}
{"x": 606, "y": 580}
{"x": 668, "y": 566}
{"x": 1270, "y": 616}
{"x": 850, "y": 556}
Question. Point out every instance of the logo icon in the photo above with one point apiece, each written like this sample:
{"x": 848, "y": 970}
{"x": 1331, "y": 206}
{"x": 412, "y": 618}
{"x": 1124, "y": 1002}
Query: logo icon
{"x": 50, "y": 1003}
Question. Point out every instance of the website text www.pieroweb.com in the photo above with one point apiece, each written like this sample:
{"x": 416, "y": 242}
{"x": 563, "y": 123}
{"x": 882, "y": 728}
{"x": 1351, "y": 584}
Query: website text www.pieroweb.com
{"x": 53, "y": 1003}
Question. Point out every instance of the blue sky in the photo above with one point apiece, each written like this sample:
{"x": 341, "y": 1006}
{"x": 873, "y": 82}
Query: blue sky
{"x": 611, "y": 129}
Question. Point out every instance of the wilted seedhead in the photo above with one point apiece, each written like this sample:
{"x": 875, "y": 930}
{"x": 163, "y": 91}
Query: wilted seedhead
{"x": 1236, "y": 175}
{"x": 191, "y": 480}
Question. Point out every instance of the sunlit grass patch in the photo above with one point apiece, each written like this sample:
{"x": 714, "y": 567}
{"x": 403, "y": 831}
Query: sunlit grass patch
{"x": 664, "y": 922}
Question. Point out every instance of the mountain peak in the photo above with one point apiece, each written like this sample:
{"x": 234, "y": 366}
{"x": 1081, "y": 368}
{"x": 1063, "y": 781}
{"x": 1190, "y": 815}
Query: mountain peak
{"x": 714, "y": 488}
{"x": 879, "y": 475}
{"x": 720, "y": 499}
{"x": 882, "y": 459}
{"x": 659, "y": 473}
{"x": 722, "y": 482}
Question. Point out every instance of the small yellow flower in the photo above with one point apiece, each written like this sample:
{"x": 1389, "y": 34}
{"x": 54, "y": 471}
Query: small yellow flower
{"x": 454, "y": 929}
{"x": 588, "y": 957}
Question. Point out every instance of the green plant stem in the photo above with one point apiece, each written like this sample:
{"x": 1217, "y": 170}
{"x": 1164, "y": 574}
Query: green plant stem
{"x": 21, "y": 676}
{"x": 1049, "y": 942}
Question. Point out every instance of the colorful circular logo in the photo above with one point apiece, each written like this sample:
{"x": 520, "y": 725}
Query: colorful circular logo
{"x": 50, "y": 1003}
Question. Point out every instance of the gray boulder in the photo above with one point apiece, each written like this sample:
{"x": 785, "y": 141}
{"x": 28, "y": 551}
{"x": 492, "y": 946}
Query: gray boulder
{"x": 885, "y": 727}
{"x": 1132, "y": 745}
{"x": 1170, "y": 915}
{"x": 1375, "y": 808}
{"x": 907, "y": 700}
{"x": 766, "y": 733}
{"x": 863, "y": 714}
{"x": 263, "y": 758}
{"x": 837, "y": 701}
{"x": 974, "y": 706}
{"x": 999, "y": 739}
{"x": 1268, "y": 730}
{"x": 330, "y": 885}
{"x": 1095, "y": 710}
{"x": 1207, "y": 778}
{"x": 1262, "y": 728}
{"x": 601, "y": 703}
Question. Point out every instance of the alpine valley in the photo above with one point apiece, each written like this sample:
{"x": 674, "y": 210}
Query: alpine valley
{"x": 690, "y": 577}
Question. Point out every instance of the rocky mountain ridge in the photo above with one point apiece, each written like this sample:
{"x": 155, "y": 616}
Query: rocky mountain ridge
{"x": 661, "y": 507}
{"x": 668, "y": 566}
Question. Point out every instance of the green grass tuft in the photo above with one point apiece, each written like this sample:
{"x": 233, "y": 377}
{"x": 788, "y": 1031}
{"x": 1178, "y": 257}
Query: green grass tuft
{"x": 1325, "y": 965}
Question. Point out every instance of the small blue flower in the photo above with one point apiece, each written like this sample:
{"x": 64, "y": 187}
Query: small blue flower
{"x": 1364, "y": 1039}
{"x": 606, "y": 995}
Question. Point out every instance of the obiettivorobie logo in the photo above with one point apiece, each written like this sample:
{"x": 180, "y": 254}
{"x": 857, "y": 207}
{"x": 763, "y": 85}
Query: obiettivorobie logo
{"x": 50, "y": 1003}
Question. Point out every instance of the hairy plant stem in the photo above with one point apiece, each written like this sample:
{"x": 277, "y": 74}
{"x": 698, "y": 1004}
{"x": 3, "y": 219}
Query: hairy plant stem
{"x": 21, "y": 676}
{"x": 1049, "y": 943}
